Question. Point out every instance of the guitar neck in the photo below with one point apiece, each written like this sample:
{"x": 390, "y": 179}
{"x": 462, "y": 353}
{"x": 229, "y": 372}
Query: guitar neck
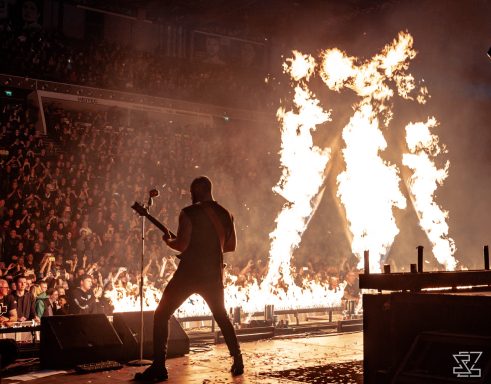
{"x": 160, "y": 226}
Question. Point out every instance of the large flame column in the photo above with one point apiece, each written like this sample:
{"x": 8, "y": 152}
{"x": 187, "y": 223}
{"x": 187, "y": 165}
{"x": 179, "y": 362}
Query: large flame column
{"x": 369, "y": 187}
{"x": 423, "y": 148}
{"x": 303, "y": 166}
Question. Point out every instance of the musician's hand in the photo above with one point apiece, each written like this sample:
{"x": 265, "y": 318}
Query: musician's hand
{"x": 167, "y": 240}
{"x": 22, "y": 318}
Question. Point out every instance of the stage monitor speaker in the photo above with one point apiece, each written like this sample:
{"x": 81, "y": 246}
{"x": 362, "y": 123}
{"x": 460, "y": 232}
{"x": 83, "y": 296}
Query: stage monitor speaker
{"x": 438, "y": 357}
{"x": 127, "y": 325}
{"x": 8, "y": 352}
{"x": 76, "y": 339}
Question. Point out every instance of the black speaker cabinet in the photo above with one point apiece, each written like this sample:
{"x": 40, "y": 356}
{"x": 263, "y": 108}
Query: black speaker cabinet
{"x": 75, "y": 339}
{"x": 127, "y": 325}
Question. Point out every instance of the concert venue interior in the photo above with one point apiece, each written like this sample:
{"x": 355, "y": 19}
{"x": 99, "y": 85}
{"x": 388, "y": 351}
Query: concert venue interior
{"x": 349, "y": 140}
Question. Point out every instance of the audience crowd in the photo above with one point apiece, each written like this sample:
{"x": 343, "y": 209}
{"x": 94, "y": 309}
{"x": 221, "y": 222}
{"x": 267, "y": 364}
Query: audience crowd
{"x": 50, "y": 56}
{"x": 67, "y": 231}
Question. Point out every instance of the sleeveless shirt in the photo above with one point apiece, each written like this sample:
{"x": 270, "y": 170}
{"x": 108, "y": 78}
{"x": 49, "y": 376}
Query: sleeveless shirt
{"x": 203, "y": 258}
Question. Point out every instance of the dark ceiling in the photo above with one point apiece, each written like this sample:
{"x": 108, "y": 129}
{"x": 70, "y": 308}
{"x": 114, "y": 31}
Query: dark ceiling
{"x": 259, "y": 18}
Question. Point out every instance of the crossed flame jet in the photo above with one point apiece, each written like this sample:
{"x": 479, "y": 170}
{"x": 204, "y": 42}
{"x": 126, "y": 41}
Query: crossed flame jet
{"x": 369, "y": 186}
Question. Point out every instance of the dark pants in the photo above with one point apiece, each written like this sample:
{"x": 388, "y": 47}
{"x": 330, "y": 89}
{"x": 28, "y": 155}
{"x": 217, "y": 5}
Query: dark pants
{"x": 179, "y": 288}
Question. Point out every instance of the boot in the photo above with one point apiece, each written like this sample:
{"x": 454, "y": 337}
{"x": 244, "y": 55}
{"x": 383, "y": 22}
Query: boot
{"x": 238, "y": 365}
{"x": 154, "y": 373}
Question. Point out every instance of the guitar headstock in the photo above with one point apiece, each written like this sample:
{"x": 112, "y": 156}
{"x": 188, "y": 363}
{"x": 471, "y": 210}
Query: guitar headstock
{"x": 140, "y": 209}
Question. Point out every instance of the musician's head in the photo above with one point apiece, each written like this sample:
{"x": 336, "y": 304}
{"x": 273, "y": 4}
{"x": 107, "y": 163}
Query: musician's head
{"x": 201, "y": 189}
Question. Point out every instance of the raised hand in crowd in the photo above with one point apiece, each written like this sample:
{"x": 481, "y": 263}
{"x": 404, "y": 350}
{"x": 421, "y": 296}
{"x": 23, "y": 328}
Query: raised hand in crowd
{"x": 162, "y": 267}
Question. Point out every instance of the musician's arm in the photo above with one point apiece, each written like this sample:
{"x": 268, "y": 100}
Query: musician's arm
{"x": 231, "y": 242}
{"x": 181, "y": 242}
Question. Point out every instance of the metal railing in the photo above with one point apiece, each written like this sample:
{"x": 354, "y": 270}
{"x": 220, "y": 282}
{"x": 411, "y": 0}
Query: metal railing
{"x": 133, "y": 97}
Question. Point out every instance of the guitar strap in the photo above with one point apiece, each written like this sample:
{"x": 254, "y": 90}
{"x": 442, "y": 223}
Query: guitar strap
{"x": 216, "y": 223}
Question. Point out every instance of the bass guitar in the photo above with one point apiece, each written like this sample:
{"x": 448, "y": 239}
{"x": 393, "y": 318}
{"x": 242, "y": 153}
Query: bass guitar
{"x": 142, "y": 211}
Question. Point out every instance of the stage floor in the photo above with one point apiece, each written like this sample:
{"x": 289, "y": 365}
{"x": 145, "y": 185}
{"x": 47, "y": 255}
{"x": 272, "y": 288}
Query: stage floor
{"x": 330, "y": 358}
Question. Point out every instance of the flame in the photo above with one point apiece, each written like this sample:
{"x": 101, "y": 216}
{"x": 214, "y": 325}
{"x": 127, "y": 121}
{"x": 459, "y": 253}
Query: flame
{"x": 304, "y": 166}
{"x": 337, "y": 68}
{"x": 251, "y": 298}
{"x": 369, "y": 187}
{"x": 124, "y": 301}
{"x": 301, "y": 66}
{"x": 423, "y": 146}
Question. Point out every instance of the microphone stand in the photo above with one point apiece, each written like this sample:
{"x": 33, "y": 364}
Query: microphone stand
{"x": 141, "y": 361}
